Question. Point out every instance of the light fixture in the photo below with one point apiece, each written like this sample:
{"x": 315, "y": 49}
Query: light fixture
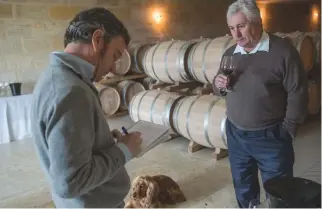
{"x": 157, "y": 16}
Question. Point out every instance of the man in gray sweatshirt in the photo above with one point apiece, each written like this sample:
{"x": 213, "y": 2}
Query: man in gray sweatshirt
{"x": 82, "y": 162}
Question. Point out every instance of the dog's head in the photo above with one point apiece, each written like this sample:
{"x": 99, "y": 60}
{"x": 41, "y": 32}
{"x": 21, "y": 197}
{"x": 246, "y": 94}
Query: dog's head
{"x": 145, "y": 190}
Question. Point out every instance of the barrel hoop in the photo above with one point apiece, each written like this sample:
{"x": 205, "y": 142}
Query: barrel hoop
{"x": 175, "y": 116}
{"x": 136, "y": 49}
{"x": 206, "y": 122}
{"x": 144, "y": 61}
{"x": 139, "y": 104}
{"x": 166, "y": 61}
{"x": 180, "y": 63}
{"x": 131, "y": 107}
{"x": 152, "y": 106}
{"x": 190, "y": 60}
{"x": 153, "y": 53}
{"x": 223, "y": 131}
{"x": 188, "y": 116}
{"x": 124, "y": 90}
{"x": 166, "y": 115}
{"x": 152, "y": 65}
{"x": 203, "y": 60}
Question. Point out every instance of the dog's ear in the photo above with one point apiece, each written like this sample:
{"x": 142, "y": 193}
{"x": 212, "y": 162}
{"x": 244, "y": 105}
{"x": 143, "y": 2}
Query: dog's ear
{"x": 151, "y": 193}
{"x": 136, "y": 187}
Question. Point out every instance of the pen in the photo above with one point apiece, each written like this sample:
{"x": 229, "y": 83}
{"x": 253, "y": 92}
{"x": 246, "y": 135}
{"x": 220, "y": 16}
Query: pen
{"x": 124, "y": 130}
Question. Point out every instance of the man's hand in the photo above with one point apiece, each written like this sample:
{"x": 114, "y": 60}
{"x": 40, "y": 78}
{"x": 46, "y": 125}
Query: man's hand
{"x": 133, "y": 141}
{"x": 117, "y": 134}
{"x": 221, "y": 81}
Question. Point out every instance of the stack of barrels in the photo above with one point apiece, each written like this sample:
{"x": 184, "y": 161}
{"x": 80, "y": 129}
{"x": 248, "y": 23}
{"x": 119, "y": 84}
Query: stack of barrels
{"x": 198, "y": 60}
{"x": 185, "y": 61}
{"x": 198, "y": 118}
{"x": 117, "y": 96}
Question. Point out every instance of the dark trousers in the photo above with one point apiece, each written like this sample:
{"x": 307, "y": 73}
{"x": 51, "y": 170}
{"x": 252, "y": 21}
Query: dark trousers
{"x": 269, "y": 150}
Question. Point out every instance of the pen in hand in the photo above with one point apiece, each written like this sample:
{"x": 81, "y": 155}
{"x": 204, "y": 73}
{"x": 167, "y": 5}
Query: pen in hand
{"x": 124, "y": 130}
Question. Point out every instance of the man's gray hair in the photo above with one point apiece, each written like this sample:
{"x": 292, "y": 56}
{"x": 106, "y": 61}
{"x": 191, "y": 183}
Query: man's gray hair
{"x": 248, "y": 7}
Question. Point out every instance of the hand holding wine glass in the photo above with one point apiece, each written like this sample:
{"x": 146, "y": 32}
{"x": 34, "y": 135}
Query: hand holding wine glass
{"x": 227, "y": 66}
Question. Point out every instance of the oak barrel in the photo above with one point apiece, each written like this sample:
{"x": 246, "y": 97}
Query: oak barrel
{"x": 137, "y": 52}
{"x": 155, "y": 106}
{"x": 127, "y": 90}
{"x": 305, "y": 46}
{"x": 314, "y": 98}
{"x": 109, "y": 97}
{"x": 201, "y": 119}
{"x": 123, "y": 65}
{"x": 205, "y": 56}
{"x": 167, "y": 61}
{"x": 148, "y": 83}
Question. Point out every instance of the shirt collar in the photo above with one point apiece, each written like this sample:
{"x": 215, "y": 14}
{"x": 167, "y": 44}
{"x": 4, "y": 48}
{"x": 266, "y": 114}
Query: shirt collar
{"x": 263, "y": 45}
{"x": 75, "y": 63}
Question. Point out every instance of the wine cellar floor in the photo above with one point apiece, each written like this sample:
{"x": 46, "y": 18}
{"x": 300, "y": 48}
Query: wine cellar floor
{"x": 206, "y": 183}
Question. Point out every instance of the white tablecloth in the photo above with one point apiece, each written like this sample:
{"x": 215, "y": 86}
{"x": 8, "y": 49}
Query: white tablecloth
{"x": 15, "y": 118}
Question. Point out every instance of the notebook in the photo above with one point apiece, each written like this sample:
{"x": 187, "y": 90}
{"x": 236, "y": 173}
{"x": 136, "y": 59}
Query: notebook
{"x": 151, "y": 134}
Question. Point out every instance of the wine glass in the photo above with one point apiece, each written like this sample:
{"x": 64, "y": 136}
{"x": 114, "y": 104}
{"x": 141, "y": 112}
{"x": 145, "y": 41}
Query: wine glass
{"x": 227, "y": 66}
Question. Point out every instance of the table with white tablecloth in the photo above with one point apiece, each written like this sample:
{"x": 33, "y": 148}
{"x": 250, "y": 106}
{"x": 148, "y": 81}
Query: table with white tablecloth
{"x": 15, "y": 112}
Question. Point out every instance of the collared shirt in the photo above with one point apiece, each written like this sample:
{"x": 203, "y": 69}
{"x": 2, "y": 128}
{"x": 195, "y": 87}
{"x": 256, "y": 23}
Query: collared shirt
{"x": 263, "y": 45}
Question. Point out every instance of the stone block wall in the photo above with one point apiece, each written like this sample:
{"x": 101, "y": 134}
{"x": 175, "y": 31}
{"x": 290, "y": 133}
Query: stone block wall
{"x": 31, "y": 29}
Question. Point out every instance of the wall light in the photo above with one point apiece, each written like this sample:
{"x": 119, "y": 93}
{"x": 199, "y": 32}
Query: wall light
{"x": 315, "y": 20}
{"x": 157, "y": 16}
{"x": 263, "y": 14}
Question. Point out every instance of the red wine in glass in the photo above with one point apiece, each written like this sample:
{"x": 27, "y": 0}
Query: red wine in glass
{"x": 227, "y": 66}
{"x": 227, "y": 71}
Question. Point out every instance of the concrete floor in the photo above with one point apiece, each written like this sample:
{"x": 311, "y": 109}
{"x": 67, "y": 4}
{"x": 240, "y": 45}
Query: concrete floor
{"x": 206, "y": 183}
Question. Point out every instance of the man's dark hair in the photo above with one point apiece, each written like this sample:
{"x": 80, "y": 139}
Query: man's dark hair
{"x": 82, "y": 27}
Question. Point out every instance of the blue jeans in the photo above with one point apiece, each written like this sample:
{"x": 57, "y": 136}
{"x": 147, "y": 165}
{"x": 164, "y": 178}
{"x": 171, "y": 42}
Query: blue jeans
{"x": 269, "y": 150}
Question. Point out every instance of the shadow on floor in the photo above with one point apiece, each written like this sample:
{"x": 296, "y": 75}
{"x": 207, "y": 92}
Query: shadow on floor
{"x": 206, "y": 184}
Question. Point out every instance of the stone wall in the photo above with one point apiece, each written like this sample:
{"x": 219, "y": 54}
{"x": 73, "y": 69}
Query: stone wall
{"x": 31, "y": 29}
